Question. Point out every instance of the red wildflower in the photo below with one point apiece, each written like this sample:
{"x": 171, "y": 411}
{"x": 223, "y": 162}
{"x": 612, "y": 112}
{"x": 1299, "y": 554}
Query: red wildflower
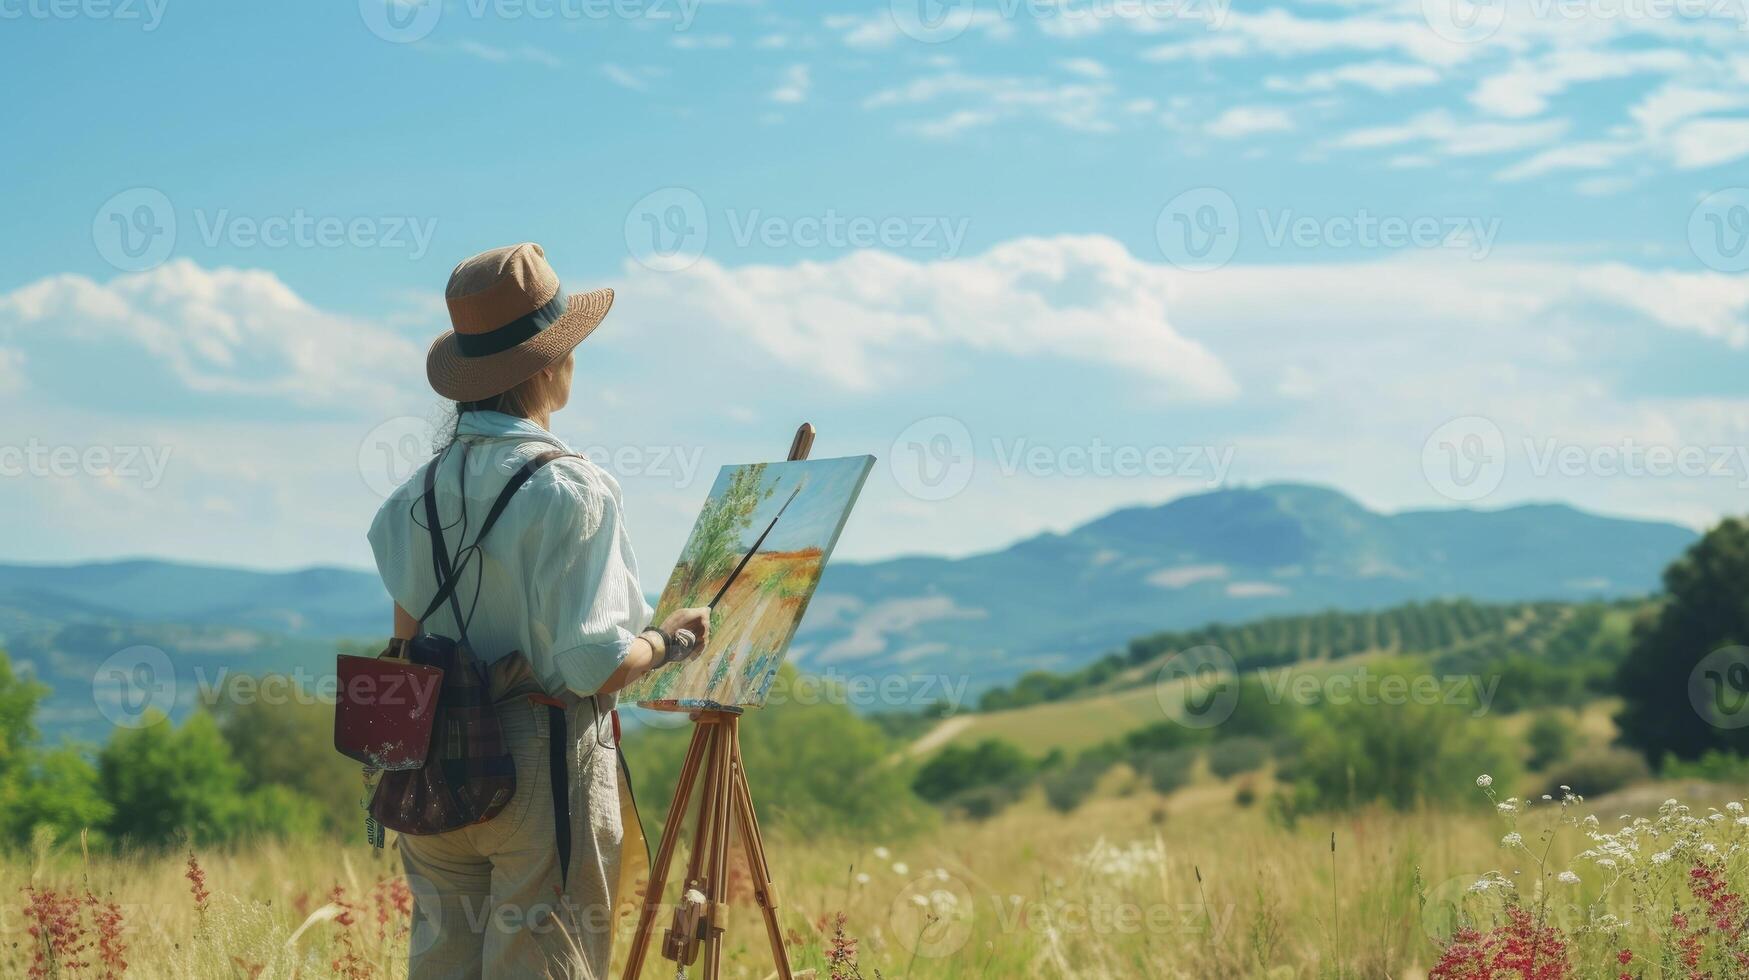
{"x": 1520, "y": 950}
{"x": 197, "y": 883}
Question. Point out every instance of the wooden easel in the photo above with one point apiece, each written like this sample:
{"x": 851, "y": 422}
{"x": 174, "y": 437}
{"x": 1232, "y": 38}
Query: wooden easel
{"x": 726, "y": 802}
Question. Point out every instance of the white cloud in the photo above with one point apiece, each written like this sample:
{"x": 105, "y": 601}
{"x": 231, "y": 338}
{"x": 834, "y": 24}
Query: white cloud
{"x": 624, "y": 78}
{"x": 1077, "y": 106}
{"x": 1709, "y": 142}
{"x": 1455, "y": 138}
{"x": 861, "y": 321}
{"x": 1524, "y": 89}
{"x": 215, "y": 331}
{"x": 1241, "y": 121}
{"x": 1379, "y": 76}
{"x": 524, "y": 53}
{"x": 1085, "y": 67}
{"x": 1573, "y": 156}
{"x": 794, "y": 87}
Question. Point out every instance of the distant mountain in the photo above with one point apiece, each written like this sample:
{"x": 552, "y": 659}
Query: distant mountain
{"x": 1056, "y": 600}
{"x": 1052, "y": 601}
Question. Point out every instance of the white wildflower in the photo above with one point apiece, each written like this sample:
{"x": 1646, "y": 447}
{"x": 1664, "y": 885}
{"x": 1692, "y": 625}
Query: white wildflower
{"x": 901, "y": 868}
{"x": 862, "y": 877}
{"x": 1513, "y": 839}
{"x": 882, "y": 853}
{"x": 1484, "y": 780}
{"x": 1567, "y": 878}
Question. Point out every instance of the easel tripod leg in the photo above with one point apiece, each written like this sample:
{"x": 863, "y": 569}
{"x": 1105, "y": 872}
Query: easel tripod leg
{"x": 763, "y": 890}
{"x": 665, "y": 854}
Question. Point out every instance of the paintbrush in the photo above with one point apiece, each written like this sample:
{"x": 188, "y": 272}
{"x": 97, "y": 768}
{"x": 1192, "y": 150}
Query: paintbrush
{"x": 755, "y": 549}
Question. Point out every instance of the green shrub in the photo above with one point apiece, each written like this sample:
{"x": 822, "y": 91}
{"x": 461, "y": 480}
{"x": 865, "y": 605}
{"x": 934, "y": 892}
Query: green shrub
{"x": 1232, "y": 756}
{"x": 1400, "y": 754}
{"x": 1550, "y": 738}
{"x": 1597, "y": 772}
{"x": 1714, "y": 767}
{"x": 956, "y": 769}
{"x": 1067, "y": 787}
{"x": 1167, "y": 771}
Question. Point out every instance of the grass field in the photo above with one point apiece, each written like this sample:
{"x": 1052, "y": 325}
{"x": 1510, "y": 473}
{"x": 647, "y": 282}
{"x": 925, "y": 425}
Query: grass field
{"x": 1130, "y": 885}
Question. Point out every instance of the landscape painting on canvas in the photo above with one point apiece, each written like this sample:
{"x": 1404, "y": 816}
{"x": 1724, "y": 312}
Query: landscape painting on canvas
{"x": 788, "y": 515}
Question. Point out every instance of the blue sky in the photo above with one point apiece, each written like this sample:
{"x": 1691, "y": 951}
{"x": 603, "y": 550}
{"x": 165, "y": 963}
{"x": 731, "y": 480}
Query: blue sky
{"x": 1043, "y": 259}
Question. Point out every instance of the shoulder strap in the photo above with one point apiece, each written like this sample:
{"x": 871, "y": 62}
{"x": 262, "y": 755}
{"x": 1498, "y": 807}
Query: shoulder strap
{"x": 451, "y": 577}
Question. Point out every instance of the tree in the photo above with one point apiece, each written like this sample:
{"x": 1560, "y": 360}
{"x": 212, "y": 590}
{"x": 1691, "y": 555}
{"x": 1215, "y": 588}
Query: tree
{"x": 1672, "y": 701}
{"x": 716, "y": 539}
{"x": 164, "y": 780}
{"x": 1402, "y": 754}
{"x": 289, "y": 742}
{"x": 955, "y": 768}
{"x": 39, "y": 787}
{"x": 1551, "y": 739}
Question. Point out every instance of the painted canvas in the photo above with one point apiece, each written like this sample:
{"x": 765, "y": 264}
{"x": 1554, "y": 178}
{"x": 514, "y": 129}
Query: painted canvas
{"x": 755, "y": 554}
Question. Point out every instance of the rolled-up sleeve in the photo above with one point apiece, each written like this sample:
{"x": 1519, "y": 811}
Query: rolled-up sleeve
{"x": 584, "y": 590}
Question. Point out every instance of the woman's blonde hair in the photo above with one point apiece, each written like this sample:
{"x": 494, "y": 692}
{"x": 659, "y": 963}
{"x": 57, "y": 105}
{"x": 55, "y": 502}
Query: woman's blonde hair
{"x": 526, "y": 400}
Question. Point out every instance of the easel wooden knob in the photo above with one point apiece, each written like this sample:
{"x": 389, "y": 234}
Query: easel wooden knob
{"x": 713, "y": 757}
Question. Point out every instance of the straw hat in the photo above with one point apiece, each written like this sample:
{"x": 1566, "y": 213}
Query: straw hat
{"x": 510, "y": 319}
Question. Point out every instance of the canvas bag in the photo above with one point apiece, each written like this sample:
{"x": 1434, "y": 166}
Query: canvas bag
{"x": 439, "y": 747}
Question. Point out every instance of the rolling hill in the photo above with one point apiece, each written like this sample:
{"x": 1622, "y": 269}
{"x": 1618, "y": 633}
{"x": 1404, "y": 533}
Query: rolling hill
{"x": 1053, "y": 602}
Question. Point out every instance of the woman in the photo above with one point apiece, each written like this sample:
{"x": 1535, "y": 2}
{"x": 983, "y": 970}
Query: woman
{"x": 550, "y": 599}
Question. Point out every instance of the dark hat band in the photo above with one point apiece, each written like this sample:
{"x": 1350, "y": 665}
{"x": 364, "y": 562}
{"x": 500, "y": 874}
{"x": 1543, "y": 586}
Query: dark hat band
{"x": 517, "y": 331}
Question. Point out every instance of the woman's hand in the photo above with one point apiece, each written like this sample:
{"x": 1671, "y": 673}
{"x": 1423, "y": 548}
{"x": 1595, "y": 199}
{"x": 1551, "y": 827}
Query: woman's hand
{"x": 694, "y": 622}
{"x": 642, "y": 657}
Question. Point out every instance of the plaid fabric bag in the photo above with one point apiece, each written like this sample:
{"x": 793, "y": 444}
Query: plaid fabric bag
{"x": 467, "y": 774}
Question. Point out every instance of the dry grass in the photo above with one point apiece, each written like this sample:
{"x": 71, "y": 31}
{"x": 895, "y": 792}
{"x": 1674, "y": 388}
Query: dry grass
{"x": 1112, "y": 890}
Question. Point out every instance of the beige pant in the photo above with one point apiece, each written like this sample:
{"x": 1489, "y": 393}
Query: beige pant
{"x": 487, "y": 899}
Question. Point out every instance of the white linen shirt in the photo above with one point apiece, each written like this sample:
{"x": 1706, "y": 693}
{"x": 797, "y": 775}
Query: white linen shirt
{"x": 556, "y": 577}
